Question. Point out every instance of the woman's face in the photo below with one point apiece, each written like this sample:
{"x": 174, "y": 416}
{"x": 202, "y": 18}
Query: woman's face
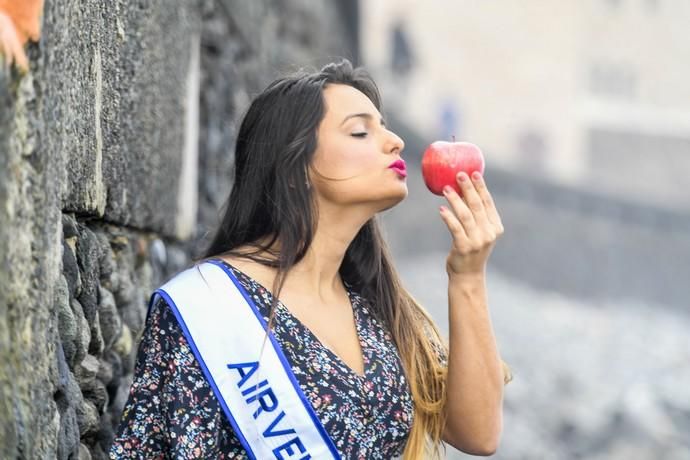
{"x": 354, "y": 153}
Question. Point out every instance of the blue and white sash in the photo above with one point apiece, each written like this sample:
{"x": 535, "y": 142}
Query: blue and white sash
{"x": 248, "y": 372}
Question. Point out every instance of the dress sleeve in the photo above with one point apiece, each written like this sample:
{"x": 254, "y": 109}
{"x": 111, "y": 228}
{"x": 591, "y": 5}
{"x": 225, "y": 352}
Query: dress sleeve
{"x": 441, "y": 351}
{"x": 171, "y": 411}
{"x": 141, "y": 433}
{"x": 438, "y": 345}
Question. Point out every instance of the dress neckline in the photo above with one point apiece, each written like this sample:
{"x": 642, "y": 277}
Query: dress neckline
{"x": 354, "y": 304}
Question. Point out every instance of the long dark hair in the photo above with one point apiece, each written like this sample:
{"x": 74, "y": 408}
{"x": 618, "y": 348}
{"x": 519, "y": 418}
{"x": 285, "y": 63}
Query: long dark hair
{"x": 271, "y": 204}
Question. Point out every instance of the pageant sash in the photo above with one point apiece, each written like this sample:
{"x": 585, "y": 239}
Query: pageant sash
{"x": 246, "y": 368}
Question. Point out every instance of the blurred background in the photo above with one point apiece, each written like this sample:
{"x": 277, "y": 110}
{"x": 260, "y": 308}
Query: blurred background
{"x": 116, "y": 150}
{"x": 582, "y": 109}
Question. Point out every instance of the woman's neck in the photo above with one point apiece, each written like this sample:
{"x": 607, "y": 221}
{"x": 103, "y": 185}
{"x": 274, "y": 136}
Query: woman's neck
{"x": 317, "y": 274}
{"x": 318, "y": 271}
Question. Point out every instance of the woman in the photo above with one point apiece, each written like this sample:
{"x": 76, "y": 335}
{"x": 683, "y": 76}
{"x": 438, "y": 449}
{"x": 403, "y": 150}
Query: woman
{"x": 312, "y": 170}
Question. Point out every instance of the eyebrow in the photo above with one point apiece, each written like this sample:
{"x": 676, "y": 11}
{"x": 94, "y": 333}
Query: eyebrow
{"x": 366, "y": 115}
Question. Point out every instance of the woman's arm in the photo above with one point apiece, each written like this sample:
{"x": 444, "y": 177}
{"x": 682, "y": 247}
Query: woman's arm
{"x": 475, "y": 371}
{"x": 475, "y": 375}
{"x": 171, "y": 411}
{"x": 142, "y": 429}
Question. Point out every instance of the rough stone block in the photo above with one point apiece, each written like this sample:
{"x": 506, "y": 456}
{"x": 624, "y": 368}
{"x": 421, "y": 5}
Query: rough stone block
{"x": 88, "y": 255}
{"x": 87, "y": 370}
{"x": 70, "y": 269}
{"x": 109, "y": 319}
{"x": 84, "y": 337}
{"x": 68, "y": 436}
{"x": 67, "y": 323}
{"x": 88, "y": 418}
{"x": 112, "y": 98}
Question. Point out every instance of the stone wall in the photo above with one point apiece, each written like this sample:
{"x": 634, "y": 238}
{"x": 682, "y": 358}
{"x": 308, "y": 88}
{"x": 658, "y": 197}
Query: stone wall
{"x": 115, "y": 155}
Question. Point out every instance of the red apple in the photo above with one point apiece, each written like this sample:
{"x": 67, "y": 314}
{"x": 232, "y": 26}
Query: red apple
{"x": 442, "y": 161}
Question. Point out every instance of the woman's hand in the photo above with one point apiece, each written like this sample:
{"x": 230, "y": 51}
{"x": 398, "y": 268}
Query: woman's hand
{"x": 474, "y": 224}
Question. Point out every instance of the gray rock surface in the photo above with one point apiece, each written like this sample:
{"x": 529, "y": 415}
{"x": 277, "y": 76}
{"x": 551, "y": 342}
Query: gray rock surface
{"x": 92, "y": 148}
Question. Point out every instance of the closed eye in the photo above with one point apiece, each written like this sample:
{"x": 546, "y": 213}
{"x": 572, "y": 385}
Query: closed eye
{"x": 363, "y": 134}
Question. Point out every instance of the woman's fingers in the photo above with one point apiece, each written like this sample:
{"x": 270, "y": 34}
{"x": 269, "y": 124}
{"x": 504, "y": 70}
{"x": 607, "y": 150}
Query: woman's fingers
{"x": 488, "y": 202}
{"x": 462, "y": 212}
{"x": 472, "y": 217}
{"x": 456, "y": 229}
{"x": 473, "y": 222}
{"x": 471, "y": 196}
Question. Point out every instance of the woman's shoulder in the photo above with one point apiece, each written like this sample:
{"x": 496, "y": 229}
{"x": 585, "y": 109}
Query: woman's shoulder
{"x": 252, "y": 270}
{"x": 160, "y": 320}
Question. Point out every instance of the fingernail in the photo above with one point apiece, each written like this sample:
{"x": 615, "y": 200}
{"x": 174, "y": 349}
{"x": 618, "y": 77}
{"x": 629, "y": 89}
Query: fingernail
{"x": 442, "y": 208}
{"x": 462, "y": 177}
{"x": 476, "y": 175}
{"x": 446, "y": 189}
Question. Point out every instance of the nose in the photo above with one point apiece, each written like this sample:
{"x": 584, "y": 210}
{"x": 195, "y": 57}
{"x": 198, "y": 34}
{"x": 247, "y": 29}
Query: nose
{"x": 394, "y": 144}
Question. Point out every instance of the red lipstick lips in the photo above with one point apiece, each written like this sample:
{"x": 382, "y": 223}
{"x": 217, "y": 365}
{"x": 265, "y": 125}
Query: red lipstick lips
{"x": 399, "y": 167}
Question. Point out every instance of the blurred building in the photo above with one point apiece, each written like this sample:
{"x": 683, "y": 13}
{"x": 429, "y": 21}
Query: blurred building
{"x": 591, "y": 93}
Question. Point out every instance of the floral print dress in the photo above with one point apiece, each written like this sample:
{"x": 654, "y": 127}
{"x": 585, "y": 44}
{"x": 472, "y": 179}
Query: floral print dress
{"x": 173, "y": 413}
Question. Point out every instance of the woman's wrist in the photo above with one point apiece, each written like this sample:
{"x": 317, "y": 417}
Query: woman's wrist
{"x": 466, "y": 277}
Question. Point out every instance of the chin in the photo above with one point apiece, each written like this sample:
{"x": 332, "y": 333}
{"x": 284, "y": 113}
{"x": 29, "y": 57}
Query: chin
{"x": 393, "y": 200}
